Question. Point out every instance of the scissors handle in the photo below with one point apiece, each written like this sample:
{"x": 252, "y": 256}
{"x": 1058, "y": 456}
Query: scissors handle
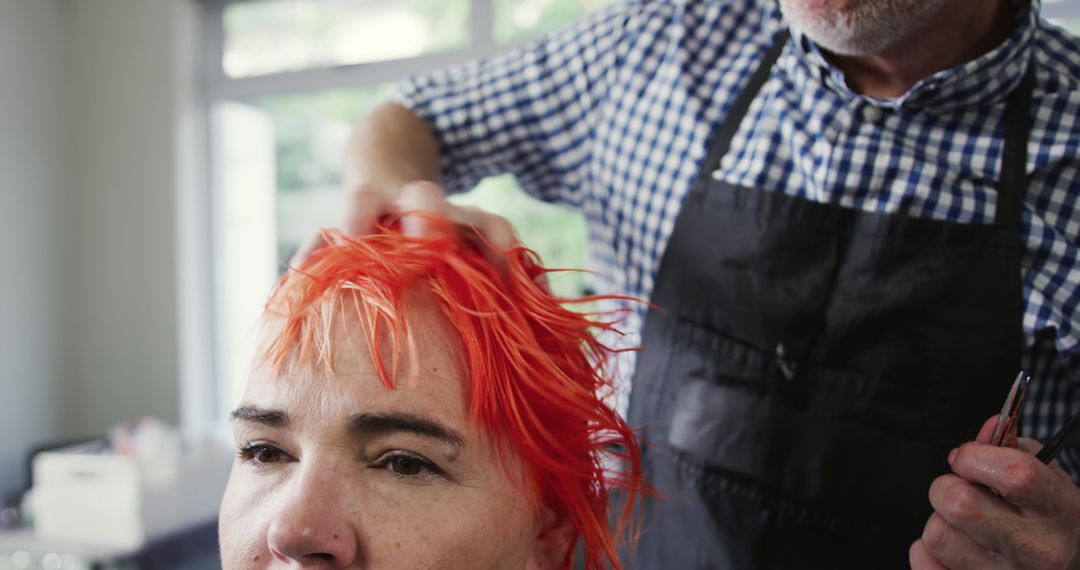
{"x": 1057, "y": 442}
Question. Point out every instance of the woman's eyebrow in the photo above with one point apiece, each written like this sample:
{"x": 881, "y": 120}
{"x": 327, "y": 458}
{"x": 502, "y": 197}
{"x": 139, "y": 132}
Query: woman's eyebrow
{"x": 379, "y": 423}
{"x": 264, "y": 416}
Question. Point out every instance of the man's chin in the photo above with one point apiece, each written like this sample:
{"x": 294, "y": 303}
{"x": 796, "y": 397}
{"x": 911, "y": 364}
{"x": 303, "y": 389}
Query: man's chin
{"x": 872, "y": 27}
{"x": 845, "y": 45}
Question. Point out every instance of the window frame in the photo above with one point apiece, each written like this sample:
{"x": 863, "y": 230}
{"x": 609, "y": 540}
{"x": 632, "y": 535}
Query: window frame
{"x": 319, "y": 78}
{"x": 203, "y": 413}
{"x": 1060, "y": 9}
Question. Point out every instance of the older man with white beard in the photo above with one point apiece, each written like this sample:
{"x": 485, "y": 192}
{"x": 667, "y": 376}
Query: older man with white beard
{"x": 855, "y": 221}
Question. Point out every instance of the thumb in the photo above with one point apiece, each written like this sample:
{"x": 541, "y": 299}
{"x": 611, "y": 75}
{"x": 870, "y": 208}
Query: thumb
{"x": 986, "y": 432}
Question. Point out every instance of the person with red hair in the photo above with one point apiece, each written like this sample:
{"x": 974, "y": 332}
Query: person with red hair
{"x": 415, "y": 406}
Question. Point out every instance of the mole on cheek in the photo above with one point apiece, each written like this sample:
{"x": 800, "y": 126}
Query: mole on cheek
{"x": 255, "y": 559}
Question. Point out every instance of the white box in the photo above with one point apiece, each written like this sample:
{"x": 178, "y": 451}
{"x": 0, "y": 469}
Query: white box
{"x": 95, "y": 499}
{"x": 111, "y": 500}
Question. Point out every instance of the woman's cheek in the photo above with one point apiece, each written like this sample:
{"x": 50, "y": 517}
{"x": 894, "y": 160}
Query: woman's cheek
{"x": 422, "y": 527}
{"x": 460, "y": 528}
{"x": 241, "y": 527}
{"x": 398, "y": 524}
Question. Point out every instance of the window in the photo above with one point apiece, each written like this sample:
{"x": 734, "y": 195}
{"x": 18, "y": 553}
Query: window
{"x": 272, "y": 36}
{"x": 287, "y": 79}
{"x": 1065, "y": 13}
{"x": 532, "y": 18}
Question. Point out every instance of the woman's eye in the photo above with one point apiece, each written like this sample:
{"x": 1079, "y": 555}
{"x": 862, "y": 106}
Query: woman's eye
{"x": 407, "y": 465}
{"x": 263, "y": 454}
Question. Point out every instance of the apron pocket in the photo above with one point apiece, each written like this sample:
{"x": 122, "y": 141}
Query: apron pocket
{"x": 811, "y": 458}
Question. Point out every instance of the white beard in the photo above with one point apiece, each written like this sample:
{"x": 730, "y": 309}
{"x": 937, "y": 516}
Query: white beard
{"x": 867, "y": 27}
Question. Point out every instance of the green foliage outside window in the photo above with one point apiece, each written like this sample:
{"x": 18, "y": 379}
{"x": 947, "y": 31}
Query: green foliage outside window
{"x": 311, "y": 129}
{"x": 557, "y": 234}
{"x": 310, "y": 135}
{"x": 517, "y": 19}
{"x": 264, "y": 37}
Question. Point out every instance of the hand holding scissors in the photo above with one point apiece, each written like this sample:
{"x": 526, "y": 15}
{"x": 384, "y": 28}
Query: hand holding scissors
{"x": 1003, "y": 506}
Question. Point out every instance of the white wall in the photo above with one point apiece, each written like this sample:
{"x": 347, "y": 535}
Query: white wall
{"x": 96, "y": 113}
{"x": 32, "y": 157}
{"x": 124, "y": 147}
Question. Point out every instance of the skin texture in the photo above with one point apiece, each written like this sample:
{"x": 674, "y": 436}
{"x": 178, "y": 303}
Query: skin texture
{"x": 1002, "y": 508}
{"x": 884, "y": 47}
{"x": 316, "y": 495}
{"x": 368, "y": 202}
{"x": 859, "y": 27}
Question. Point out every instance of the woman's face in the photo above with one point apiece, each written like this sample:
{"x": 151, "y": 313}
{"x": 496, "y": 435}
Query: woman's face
{"x": 343, "y": 473}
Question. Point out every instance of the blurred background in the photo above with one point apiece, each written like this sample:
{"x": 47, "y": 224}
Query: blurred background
{"x": 160, "y": 158}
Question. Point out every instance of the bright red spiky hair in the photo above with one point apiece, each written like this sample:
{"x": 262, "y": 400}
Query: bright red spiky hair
{"x": 536, "y": 370}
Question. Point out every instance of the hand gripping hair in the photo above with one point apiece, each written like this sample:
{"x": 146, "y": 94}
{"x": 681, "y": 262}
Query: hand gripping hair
{"x": 536, "y": 372}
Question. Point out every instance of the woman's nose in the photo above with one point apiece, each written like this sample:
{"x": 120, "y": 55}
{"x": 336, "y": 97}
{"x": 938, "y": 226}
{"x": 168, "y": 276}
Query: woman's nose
{"x": 312, "y": 526}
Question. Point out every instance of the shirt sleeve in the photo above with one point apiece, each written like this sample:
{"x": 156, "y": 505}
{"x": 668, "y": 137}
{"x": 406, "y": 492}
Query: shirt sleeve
{"x": 529, "y": 112}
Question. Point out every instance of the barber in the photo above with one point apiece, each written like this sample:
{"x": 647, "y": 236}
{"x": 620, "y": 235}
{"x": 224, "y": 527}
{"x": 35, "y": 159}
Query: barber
{"x": 857, "y": 221}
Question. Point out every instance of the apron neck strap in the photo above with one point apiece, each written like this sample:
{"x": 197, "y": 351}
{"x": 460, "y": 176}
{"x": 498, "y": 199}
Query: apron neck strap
{"x": 722, "y": 139}
{"x": 1014, "y": 155}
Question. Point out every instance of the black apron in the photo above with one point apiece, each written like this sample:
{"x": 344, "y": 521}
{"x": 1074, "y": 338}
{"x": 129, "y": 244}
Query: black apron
{"x": 810, "y": 366}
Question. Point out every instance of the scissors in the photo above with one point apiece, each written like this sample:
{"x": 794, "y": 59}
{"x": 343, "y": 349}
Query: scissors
{"x": 1005, "y": 431}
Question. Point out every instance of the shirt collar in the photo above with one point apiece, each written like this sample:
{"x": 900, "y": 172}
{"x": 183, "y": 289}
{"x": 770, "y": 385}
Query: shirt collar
{"x": 986, "y": 79}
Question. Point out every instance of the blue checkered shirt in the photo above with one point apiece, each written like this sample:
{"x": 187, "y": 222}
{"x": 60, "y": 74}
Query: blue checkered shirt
{"x": 611, "y": 116}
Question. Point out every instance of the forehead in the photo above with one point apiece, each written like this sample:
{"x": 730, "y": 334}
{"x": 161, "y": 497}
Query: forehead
{"x": 428, "y": 370}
